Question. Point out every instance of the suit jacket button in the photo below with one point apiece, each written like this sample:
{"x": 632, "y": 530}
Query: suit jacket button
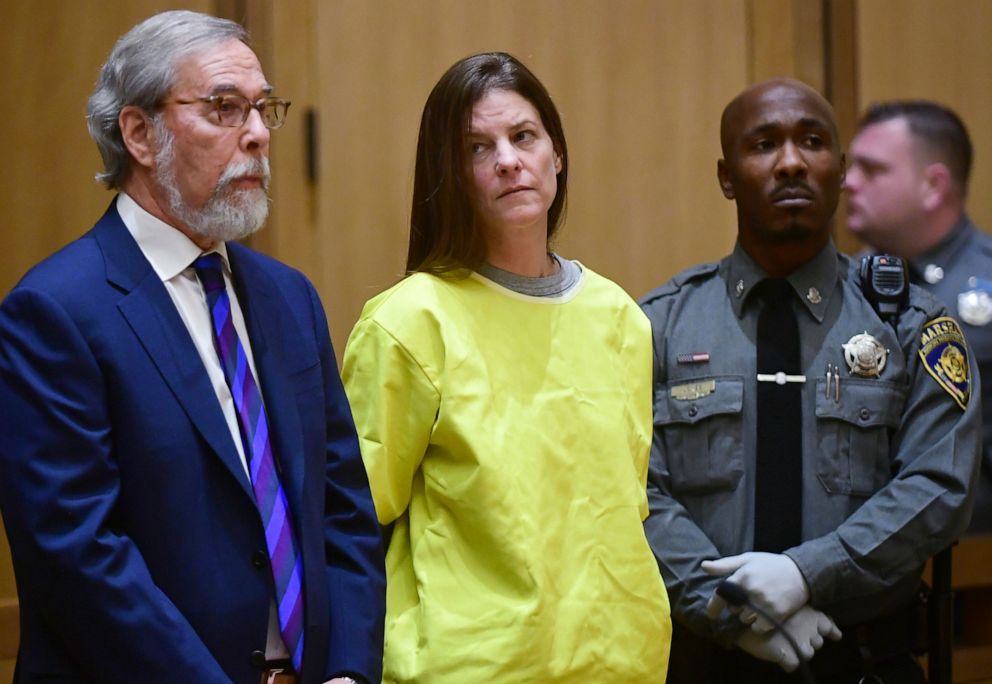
{"x": 259, "y": 559}
{"x": 258, "y": 659}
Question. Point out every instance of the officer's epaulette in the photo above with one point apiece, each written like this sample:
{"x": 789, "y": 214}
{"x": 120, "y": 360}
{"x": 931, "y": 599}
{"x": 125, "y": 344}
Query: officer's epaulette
{"x": 698, "y": 272}
{"x": 923, "y": 301}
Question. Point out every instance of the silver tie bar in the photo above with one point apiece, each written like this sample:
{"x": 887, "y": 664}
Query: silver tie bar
{"x": 780, "y": 378}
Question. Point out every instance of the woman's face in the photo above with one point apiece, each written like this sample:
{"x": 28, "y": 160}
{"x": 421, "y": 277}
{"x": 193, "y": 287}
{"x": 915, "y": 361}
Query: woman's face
{"x": 514, "y": 165}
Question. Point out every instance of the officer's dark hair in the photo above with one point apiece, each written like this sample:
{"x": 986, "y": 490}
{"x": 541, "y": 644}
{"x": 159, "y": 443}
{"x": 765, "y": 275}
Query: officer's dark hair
{"x": 444, "y": 237}
{"x": 937, "y": 127}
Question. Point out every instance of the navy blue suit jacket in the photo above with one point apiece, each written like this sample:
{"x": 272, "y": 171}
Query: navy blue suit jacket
{"x": 138, "y": 551}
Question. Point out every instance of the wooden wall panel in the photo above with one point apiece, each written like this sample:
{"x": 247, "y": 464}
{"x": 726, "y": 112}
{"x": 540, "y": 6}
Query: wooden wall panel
{"x": 840, "y": 87}
{"x": 283, "y": 36}
{"x": 785, "y": 38}
{"x": 640, "y": 85}
{"x": 936, "y": 50}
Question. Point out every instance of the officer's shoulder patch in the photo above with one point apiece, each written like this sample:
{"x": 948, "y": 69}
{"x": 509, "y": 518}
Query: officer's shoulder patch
{"x": 945, "y": 356}
{"x": 680, "y": 279}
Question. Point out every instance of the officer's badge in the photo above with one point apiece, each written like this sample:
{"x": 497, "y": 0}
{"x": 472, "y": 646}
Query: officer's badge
{"x": 945, "y": 356}
{"x": 975, "y": 305}
{"x": 865, "y": 355}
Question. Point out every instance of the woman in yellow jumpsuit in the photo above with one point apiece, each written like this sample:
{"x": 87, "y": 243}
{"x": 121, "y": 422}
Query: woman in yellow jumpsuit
{"x": 502, "y": 396}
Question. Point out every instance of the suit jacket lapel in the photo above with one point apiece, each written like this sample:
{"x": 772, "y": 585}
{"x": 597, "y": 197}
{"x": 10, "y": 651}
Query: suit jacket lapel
{"x": 269, "y": 327}
{"x": 152, "y": 315}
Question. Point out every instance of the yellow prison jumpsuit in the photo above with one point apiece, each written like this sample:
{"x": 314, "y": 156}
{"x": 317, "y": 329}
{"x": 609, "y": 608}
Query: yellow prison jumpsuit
{"x": 506, "y": 438}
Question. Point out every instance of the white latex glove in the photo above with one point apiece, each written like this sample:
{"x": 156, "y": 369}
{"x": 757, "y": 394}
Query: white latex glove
{"x": 808, "y": 627}
{"x": 772, "y": 580}
{"x": 772, "y": 647}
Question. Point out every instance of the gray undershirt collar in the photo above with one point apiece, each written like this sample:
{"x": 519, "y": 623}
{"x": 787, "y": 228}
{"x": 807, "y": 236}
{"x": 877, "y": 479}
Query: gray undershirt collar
{"x": 558, "y": 283}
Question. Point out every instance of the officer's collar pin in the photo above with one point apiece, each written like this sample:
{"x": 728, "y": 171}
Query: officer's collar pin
{"x": 739, "y": 288}
{"x": 813, "y": 296}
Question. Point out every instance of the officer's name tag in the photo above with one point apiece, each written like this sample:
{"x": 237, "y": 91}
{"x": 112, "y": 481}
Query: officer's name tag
{"x": 693, "y": 390}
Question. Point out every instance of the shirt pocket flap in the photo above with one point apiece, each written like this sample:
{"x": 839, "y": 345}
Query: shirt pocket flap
{"x": 864, "y": 402}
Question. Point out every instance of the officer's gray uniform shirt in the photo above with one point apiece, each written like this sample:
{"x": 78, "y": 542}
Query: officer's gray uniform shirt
{"x": 958, "y": 272}
{"x": 887, "y": 466}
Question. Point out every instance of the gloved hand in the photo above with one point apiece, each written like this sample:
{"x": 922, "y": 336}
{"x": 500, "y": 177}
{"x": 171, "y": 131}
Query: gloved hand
{"x": 808, "y": 627}
{"x": 772, "y": 580}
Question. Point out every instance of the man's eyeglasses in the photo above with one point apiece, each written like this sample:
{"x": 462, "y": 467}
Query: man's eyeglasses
{"x": 233, "y": 110}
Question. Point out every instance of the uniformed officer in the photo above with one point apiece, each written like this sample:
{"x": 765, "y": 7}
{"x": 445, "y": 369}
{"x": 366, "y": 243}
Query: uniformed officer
{"x": 805, "y": 448}
{"x": 907, "y": 186}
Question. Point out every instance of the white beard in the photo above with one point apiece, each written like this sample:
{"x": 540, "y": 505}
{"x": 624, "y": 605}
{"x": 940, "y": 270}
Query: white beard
{"x": 229, "y": 214}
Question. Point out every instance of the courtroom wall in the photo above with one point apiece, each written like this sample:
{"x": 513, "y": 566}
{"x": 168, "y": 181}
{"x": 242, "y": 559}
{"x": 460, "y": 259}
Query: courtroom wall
{"x": 640, "y": 85}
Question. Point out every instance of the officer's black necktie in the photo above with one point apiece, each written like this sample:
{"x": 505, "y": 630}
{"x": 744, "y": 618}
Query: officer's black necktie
{"x": 778, "y": 476}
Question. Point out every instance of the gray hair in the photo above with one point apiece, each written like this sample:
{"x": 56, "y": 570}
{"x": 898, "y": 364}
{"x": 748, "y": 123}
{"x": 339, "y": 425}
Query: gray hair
{"x": 141, "y": 70}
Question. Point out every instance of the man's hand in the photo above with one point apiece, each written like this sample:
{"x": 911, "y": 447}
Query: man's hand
{"x": 808, "y": 627}
{"x": 772, "y": 580}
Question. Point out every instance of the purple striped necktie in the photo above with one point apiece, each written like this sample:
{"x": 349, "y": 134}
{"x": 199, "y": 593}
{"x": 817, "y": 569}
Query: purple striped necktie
{"x": 269, "y": 495}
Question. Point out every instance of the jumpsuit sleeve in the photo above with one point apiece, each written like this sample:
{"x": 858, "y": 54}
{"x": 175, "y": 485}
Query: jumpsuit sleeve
{"x": 395, "y": 405}
{"x": 637, "y": 360}
{"x": 923, "y": 508}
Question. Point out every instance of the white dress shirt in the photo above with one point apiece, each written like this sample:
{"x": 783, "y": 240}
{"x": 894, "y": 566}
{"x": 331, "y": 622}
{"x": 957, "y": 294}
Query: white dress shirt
{"x": 171, "y": 255}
